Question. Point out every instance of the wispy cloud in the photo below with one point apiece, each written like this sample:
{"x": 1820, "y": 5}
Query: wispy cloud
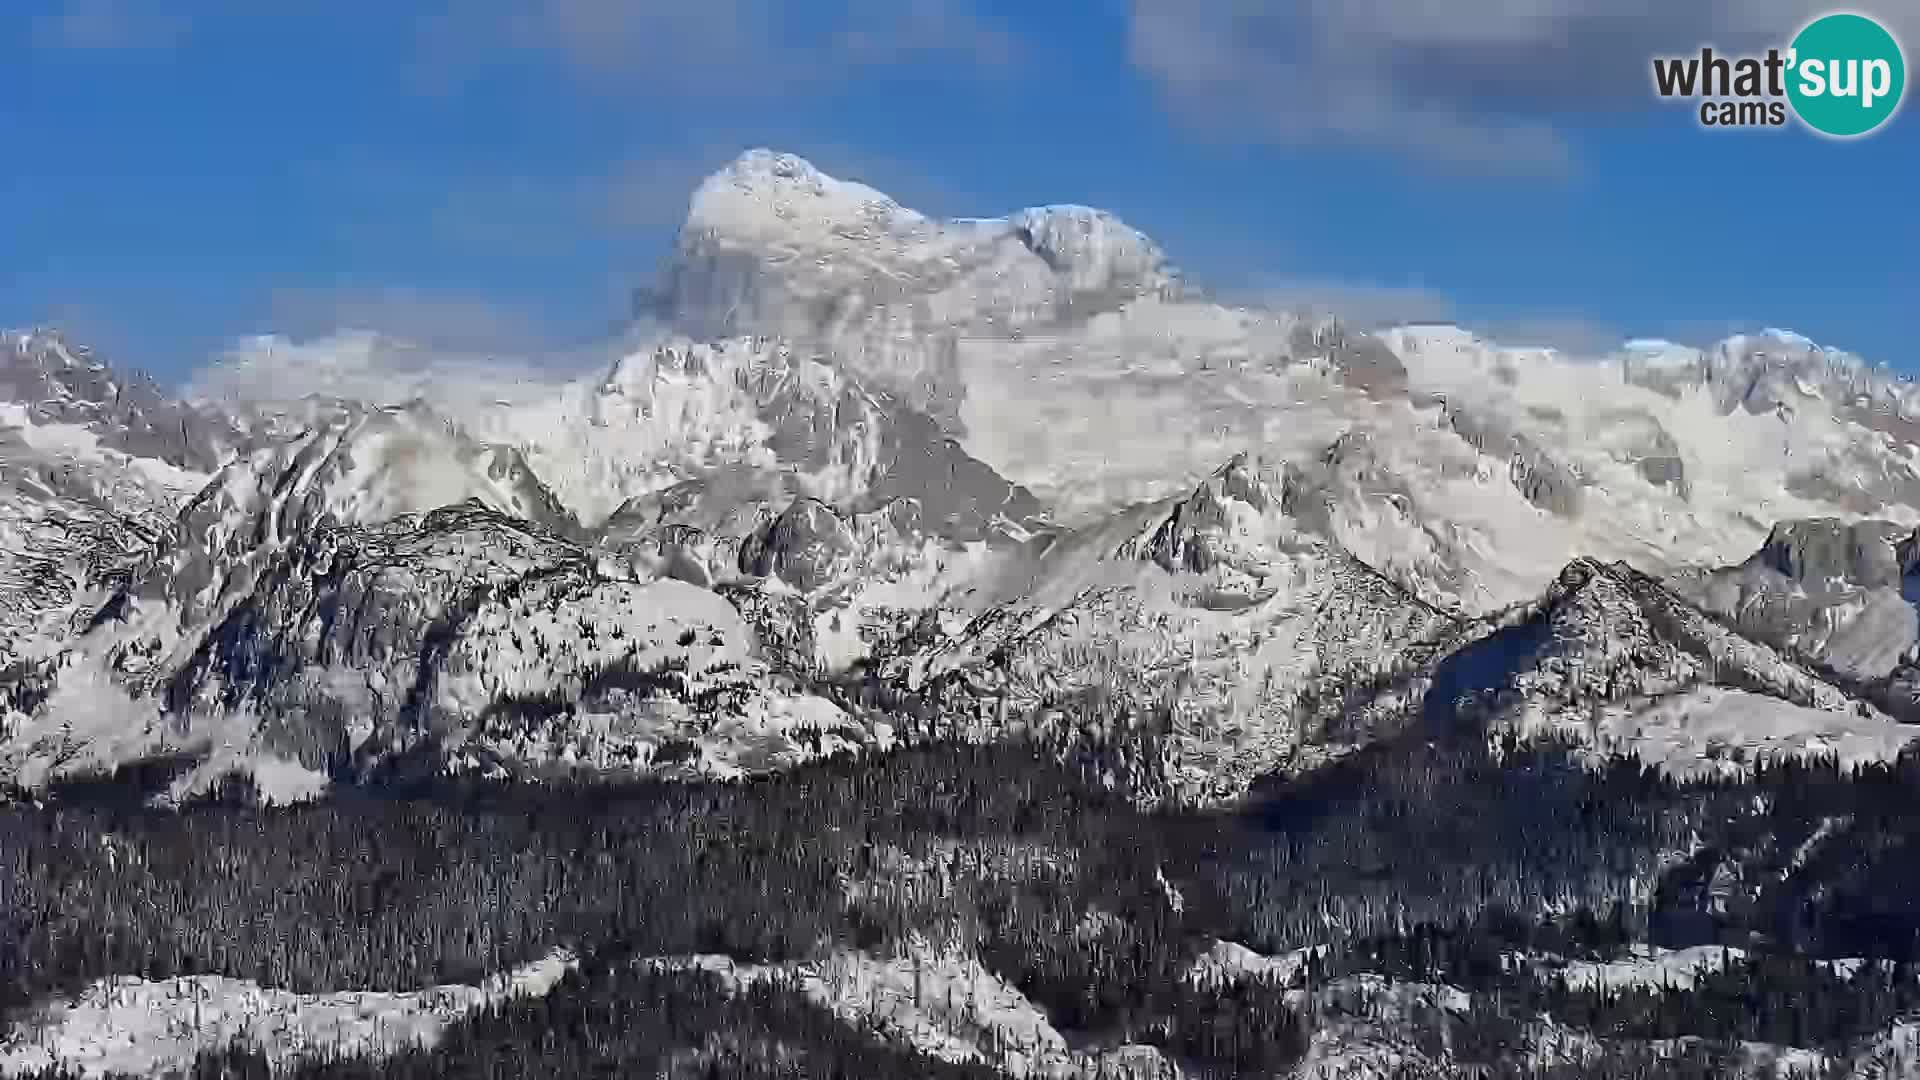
{"x": 461, "y": 352}
{"x": 715, "y": 49}
{"x": 1355, "y": 302}
{"x": 1376, "y": 304}
{"x": 440, "y": 321}
{"x": 110, "y": 26}
{"x": 893, "y": 32}
{"x": 1484, "y": 85}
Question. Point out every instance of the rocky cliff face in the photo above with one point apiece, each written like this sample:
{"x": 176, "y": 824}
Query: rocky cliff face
{"x": 1831, "y": 589}
{"x": 55, "y": 381}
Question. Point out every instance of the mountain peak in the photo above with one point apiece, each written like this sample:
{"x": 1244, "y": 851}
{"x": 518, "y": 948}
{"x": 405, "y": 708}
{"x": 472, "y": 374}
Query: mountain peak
{"x": 57, "y": 380}
{"x": 766, "y": 191}
{"x": 1791, "y": 338}
{"x": 1092, "y": 250}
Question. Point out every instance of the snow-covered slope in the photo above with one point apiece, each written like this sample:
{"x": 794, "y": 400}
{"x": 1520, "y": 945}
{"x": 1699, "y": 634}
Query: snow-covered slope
{"x": 1473, "y": 483}
{"x": 136, "y": 1027}
{"x": 1679, "y": 461}
{"x": 387, "y": 586}
{"x": 60, "y": 382}
{"x": 944, "y": 1004}
{"x": 1213, "y": 609}
{"x": 93, "y": 464}
{"x": 1611, "y": 658}
{"x": 684, "y": 412}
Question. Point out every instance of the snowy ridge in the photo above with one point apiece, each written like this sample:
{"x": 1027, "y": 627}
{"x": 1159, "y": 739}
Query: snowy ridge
{"x": 368, "y": 469}
{"x": 330, "y": 577}
{"x": 1611, "y": 659}
{"x": 61, "y": 382}
{"x": 944, "y": 1004}
{"x": 496, "y": 647}
{"x": 308, "y": 601}
{"x": 1210, "y": 606}
{"x": 140, "y": 1027}
{"x": 740, "y": 420}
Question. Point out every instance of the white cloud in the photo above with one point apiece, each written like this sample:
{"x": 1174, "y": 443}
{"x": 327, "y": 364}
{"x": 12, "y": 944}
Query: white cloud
{"x": 391, "y": 345}
{"x": 426, "y": 319}
{"x": 278, "y": 373}
{"x": 1476, "y": 84}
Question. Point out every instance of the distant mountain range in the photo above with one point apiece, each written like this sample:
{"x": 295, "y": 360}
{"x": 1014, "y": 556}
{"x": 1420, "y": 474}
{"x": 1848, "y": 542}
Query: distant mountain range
{"x": 997, "y": 466}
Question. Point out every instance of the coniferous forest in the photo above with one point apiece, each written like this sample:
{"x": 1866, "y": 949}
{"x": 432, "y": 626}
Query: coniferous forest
{"x": 1413, "y": 863}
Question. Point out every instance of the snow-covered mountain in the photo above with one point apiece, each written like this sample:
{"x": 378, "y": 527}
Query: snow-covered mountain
{"x": 1833, "y": 589}
{"x": 774, "y": 246}
{"x": 1213, "y": 613}
{"x": 1469, "y": 471}
{"x": 94, "y": 464}
{"x": 55, "y": 382}
{"x": 385, "y": 585}
{"x": 897, "y": 476}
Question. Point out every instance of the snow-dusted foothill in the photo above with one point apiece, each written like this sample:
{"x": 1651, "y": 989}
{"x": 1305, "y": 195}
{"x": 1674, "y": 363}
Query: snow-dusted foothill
{"x": 138, "y": 1027}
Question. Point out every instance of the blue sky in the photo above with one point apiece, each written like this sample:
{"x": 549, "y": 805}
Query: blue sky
{"x": 180, "y": 173}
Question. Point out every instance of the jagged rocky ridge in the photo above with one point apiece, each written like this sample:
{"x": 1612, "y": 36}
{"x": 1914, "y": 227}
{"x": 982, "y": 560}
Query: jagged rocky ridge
{"x": 93, "y": 465}
{"x": 315, "y": 587}
{"x": 806, "y": 430}
{"x": 1777, "y": 369}
{"x": 57, "y": 381}
{"x": 1209, "y": 616}
{"x": 1606, "y": 636}
{"x": 1833, "y": 589}
{"x": 386, "y": 587}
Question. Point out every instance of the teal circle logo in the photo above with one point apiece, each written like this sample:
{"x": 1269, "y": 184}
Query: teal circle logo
{"x": 1845, "y": 75}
